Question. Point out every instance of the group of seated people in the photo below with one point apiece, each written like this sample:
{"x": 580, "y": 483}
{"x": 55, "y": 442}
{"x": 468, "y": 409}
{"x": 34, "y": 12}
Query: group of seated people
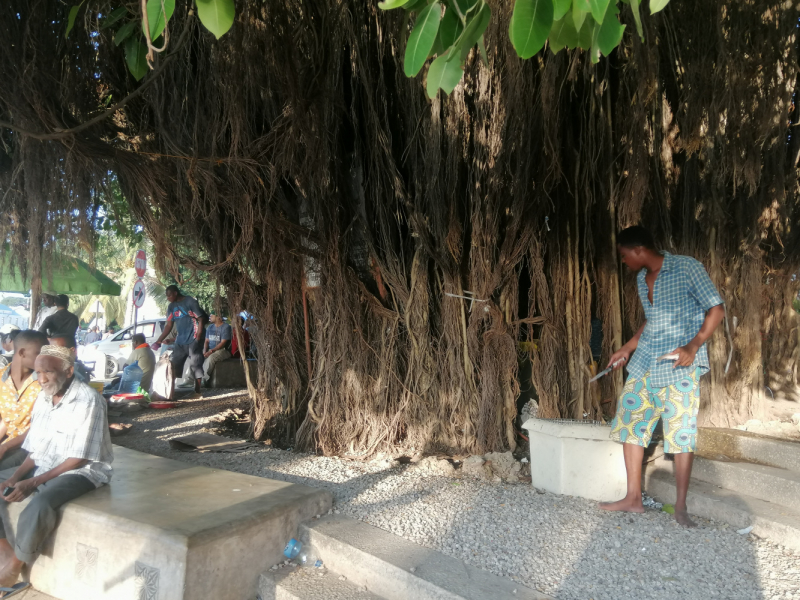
{"x": 54, "y": 443}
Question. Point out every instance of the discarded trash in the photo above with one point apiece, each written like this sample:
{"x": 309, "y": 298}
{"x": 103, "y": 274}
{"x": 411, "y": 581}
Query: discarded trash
{"x": 309, "y": 558}
{"x": 413, "y": 569}
{"x": 744, "y": 531}
{"x": 648, "y": 502}
{"x": 523, "y": 460}
{"x": 292, "y": 549}
{"x": 668, "y": 508}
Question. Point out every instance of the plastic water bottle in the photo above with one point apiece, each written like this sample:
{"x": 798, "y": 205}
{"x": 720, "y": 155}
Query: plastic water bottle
{"x": 131, "y": 378}
{"x": 292, "y": 549}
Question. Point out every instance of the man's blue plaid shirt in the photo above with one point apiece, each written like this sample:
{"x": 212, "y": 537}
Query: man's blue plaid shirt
{"x": 682, "y": 294}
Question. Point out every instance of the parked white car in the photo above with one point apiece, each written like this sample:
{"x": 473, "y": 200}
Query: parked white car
{"x": 108, "y": 357}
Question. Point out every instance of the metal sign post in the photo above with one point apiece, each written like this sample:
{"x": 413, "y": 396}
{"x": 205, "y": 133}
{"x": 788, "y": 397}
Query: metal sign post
{"x": 140, "y": 264}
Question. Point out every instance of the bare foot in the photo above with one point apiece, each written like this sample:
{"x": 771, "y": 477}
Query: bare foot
{"x": 633, "y": 505}
{"x": 682, "y": 517}
{"x": 10, "y": 573}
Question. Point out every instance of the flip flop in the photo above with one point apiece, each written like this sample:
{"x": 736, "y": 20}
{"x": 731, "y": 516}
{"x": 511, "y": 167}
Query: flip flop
{"x": 14, "y": 589}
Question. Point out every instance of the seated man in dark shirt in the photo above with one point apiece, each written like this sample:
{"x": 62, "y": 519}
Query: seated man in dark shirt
{"x": 61, "y": 323}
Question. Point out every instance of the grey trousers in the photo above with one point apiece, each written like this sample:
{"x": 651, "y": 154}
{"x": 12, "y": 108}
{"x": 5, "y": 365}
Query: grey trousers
{"x": 13, "y": 459}
{"x": 38, "y": 519}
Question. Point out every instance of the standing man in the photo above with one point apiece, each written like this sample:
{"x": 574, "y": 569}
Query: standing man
{"x": 47, "y": 309}
{"x": 61, "y": 323}
{"x": 682, "y": 308}
{"x": 91, "y": 336}
{"x": 70, "y": 454}
{"x": 217, "y": 345}
{"x": 191, "y": 321}
{"x": 19, "y": 388}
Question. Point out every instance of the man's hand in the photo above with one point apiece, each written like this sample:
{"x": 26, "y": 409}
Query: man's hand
{"x": 155, "y": 345}
{"x": 207, "y": 353}
{"x": 10, "y": 482}
{"x": 621, "y": 357}
{"x": 22, "y": 490}
{"x": 685, "y": 355}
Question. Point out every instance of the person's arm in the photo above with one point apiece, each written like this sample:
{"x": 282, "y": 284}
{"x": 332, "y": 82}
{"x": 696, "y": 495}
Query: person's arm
{"x": 205, "y": 346}
{"x": 12, "y": 444}
{"x": 201, "y": 326}
{"x": 165, "y": 332}
{"x": 44, "y": 325}
{"x": 623, "y": 355}
{"x": 23, "y": 489}
{"x": 687, "y": 353}
{"x": 25, "y": 468}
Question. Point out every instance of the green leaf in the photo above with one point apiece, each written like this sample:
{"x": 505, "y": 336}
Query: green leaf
{"x": 443, "y": 74}
{"x": 657, "y": 5}
{"x": 216, "y": 15}
{"x": 637, "y": 17}
{"x": 73, "y": 12}
{"x": 415, "y": 5}
{"x": 476, "y": 25}
{"x": 563, "y": 34}
{"x": 450, "y": 28}
{"x": 560, "y": 8}
{"x": 598, "y": 8}
{"x": 578, "y": 16}
{"x": 124, "y": 32}
{"x": 466, "y": 6}
{"x": 135, "y": 57}
{"x": 155, "y": 16}
{"x": 482, "y": 49}
{"x": 114, "y": 17}
{"x": 420, "y": 42}
{"x": 611, "y": 30}
{"x": 392, "y": 4}
{"x": 530, "y": 24}
{"x": 585, "y": 34}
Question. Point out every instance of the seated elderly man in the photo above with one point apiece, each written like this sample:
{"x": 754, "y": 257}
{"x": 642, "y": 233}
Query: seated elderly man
{"x": 19, "y": 389}
{"x": 69, "y": 455}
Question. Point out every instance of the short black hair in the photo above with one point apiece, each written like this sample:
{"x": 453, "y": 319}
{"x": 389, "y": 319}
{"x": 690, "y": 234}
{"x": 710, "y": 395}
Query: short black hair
{"x": 69, "y": 341}
{"x": 635, "y": 236}
{"x": 62, "y": 301}
{"x": 138, "y": 339}
{"x": 173, "y": 288}
{"x": 28, "y": 336}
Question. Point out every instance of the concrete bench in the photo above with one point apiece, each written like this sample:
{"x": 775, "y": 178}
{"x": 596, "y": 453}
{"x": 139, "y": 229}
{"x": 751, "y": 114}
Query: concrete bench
{"x": 230, "y": 373}
{"x": 167, "y": 530}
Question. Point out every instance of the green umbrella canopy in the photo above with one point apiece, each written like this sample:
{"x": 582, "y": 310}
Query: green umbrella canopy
{"x": 65, "y": 275}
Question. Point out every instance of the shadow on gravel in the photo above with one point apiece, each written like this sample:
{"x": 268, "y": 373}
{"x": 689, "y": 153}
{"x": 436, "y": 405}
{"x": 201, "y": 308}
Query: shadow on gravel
{"x": 649, "y": 556}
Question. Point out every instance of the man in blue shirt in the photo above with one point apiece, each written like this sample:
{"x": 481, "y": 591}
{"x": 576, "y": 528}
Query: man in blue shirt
{"x": 185, "y": 313}
{"x": 682, "y": 308}
{"x": 217, "y": 347}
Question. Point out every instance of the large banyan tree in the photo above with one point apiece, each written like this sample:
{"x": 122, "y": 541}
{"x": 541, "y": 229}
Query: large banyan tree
{"x": 403, "y": 256}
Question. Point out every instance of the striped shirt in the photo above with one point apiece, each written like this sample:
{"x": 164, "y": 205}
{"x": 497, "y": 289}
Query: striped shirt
{"x": 682, "y": 294}
{"x": 76, "y": 427}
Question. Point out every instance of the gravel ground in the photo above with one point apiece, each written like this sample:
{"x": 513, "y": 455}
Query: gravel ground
{"x": 560, "y": 545}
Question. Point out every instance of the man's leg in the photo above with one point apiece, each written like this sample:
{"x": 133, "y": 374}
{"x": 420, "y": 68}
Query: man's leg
{"x": 211, "y": 362}
{"x": 13, "y": 459}
{"x": 180, "y": 353}
{"x": 633, "y": 425}
{"x": 680, "y": 435}
{"x": 632, "y": 502}
{"x": 6, "y": 551}
{"x": 38, "y": 520}
{"x": 196, "y": 359}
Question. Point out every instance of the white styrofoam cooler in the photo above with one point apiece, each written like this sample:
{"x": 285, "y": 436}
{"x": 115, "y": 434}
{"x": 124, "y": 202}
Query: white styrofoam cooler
{"x": 576, "y": 459}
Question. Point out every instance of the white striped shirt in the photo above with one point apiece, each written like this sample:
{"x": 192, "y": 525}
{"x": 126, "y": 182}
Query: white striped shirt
{"x": 76, "y": 427}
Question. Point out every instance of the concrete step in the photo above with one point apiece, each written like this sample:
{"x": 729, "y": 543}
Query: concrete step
{"x": 716, "y": 443}
{"x": 770, "y": 484}
{"x": 779, "y": 524}
{"x": 396, "y": 569}
{"x": 309, "y": 584}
